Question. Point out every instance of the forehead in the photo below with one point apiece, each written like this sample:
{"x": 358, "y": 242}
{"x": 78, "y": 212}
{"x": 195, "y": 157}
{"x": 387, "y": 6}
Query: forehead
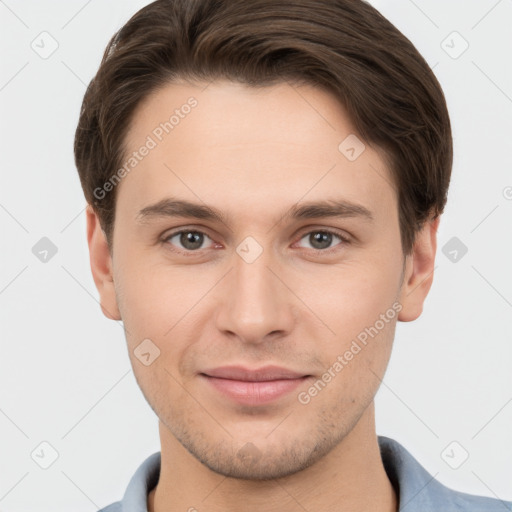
{"x": 232, "y": 145}
{"x": 223, "y": 114}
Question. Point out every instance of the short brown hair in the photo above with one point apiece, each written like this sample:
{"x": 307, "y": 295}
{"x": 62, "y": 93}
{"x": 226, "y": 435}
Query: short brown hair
{"x": 345, "y": 46}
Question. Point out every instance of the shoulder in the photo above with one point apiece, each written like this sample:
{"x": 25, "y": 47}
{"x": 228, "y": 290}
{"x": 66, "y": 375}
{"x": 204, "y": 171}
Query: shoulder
{"x": 419, "y": 491}
{"x": 114, "y": 507}
{"x": 463, "y": 502}
{"x": 471, "y": 503}
{"x": 456, "y": 501}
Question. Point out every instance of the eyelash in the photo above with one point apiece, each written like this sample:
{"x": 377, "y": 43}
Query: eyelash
{"x": 344, "y": 241}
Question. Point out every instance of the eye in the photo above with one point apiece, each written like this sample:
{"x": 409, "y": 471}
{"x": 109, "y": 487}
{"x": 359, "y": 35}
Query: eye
{"x": 320, "y": 240}
{"x": 190, "y": 240}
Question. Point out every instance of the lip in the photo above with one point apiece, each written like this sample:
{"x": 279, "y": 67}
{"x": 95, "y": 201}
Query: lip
{"x": 265, "y": 373}
{"x": 253, "y": 386}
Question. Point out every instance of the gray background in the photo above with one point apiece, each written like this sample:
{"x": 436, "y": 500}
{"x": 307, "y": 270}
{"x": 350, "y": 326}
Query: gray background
{"x": 65, "y": 376}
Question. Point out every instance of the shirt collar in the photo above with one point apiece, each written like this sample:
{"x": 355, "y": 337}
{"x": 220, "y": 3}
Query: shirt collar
{"x": 135, "y": 498}
{"x": 416, "y": 489}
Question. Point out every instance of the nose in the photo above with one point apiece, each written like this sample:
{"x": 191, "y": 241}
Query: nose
{"x": 255, "y": 305}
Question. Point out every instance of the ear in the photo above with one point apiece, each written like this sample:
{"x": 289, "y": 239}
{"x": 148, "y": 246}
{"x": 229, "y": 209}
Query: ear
{"x": 101, "y": 265}
{"x": 419, "y": 272}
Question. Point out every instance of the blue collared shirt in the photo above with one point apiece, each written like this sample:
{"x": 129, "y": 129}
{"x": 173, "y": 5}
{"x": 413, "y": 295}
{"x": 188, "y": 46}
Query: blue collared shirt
{"x": 417, "y": 490}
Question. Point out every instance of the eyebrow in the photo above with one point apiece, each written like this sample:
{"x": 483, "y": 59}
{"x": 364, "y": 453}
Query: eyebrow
{"x": 170, "y": 207}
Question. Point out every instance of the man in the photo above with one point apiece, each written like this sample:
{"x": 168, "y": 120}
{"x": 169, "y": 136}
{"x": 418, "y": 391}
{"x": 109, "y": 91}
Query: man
{"x": 265, "y": 181}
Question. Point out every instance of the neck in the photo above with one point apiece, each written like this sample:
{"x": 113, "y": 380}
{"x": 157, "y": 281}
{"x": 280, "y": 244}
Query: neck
{"x": 350, "y": 478}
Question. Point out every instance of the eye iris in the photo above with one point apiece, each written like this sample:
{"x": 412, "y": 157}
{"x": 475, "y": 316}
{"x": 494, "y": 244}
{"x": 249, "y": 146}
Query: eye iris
{"x": 320, "y": 240}
{"x": 191, "y": 240}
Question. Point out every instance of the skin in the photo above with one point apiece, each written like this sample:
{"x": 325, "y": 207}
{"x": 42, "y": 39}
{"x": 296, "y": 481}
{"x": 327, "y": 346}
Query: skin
{"x": 254, "y": 154}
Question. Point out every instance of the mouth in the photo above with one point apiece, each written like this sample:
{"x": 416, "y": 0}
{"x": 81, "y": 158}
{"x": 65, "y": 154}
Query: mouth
{"x": 253, "y": 386}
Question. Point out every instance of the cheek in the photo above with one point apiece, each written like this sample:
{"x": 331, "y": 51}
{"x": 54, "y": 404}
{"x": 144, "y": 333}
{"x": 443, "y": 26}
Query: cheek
{"x": 350, "y": 298}
{"x": 358, "y": 303}
{"x": 353, "y": 369}
{"x": 151, "y": 298}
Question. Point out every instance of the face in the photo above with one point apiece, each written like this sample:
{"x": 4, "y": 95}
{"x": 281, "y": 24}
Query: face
{"x": 269, "y": 308}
